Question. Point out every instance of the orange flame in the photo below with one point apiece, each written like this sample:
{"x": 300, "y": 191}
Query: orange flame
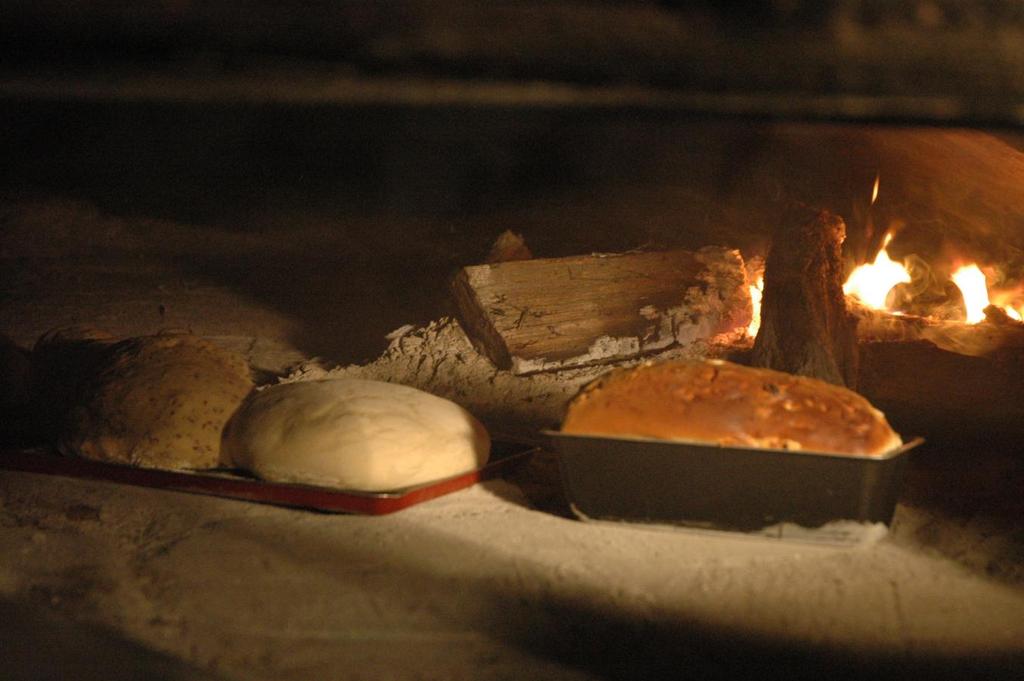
{"x": 871, "y": 282}
{"x": 756, "y": 290}
{"x": 973, "y": 285}
{"x": 974, "y": 288}
{"x": 1010, "y": 300}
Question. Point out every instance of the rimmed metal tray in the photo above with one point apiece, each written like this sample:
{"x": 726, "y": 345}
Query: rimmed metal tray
{"x": 505, "y": 455}
{"x": 777, "y": 493}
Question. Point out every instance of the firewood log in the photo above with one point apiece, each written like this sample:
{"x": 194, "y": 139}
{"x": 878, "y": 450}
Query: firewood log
{"x": 555, "y": 313}
{"x": 943, "y": 395}
{"x": 805, "y": 326}
{"x": 997, "y": 336}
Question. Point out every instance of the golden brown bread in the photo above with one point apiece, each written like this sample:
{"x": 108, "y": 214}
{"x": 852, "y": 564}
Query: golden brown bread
{"x": 157, "y": 402}
{"x": 722, "y": 403}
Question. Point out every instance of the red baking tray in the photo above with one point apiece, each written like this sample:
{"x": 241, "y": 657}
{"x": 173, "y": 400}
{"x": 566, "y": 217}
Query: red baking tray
{"x": 505, "y": 455}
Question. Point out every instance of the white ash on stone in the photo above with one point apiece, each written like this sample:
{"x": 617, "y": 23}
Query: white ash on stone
{"x": 439, "y": 359}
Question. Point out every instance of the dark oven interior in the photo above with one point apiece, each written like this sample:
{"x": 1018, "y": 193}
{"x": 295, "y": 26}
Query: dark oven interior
{"x": 301, "y": 184}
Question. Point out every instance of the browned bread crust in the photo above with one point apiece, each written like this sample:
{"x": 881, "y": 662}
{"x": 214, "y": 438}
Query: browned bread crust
{"x": 157, "y": 402}
{"x": 718, "y": 402}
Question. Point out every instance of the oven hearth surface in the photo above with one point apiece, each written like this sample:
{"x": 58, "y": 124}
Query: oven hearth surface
{"x": 302, "y": 238}
{"x": 495, "y": 581}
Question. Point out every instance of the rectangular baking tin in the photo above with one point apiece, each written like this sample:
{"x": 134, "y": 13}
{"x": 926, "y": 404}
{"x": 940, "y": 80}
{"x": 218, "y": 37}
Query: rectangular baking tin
{"x": 760, "y": 491}
{"x": 504, "y": 456}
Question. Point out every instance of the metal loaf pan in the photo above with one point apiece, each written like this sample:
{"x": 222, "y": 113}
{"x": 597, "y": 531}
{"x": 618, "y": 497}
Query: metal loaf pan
{"x": 778, "y": 493}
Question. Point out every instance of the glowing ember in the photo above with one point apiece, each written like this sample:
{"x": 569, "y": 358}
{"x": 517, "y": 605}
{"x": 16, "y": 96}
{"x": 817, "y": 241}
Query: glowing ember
{"x": 755, "y": 298}
{"x": 874, "y": 190}
{"x": 971, "y": 282}
{"x": 1013, "y": 314}
{"x": 871, "y": 282}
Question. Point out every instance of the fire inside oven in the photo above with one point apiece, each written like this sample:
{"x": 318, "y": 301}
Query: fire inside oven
{"x": 500, "y": 209}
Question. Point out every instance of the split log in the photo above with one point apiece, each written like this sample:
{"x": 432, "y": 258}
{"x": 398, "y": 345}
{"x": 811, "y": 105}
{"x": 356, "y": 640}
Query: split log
{"x": 556, "y": 313}
{"x": 805, "y": 326}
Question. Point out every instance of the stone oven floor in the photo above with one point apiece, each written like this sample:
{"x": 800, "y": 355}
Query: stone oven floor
{"x": 493, "y": 582}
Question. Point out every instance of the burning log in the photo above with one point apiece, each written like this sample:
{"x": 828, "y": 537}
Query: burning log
{"x": 805, "y": 326}
{"x": 997, "y": 336}
{"x": 943, "y": 395}
{"x": 947, "y": 380}
{"x": 555, "y": 313}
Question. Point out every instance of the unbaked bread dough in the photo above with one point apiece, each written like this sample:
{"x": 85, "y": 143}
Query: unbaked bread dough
{"x": 353, "y": 434}
{"x": 157, "y": 402}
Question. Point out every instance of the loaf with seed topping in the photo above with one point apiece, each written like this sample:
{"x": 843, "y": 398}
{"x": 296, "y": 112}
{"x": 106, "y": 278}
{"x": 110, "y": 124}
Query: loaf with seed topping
{"x": 721, "y": 403}
{"x": 157, "y": 402}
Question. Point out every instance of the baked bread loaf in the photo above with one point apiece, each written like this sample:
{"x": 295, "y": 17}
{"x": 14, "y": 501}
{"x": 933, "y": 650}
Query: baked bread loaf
{"x": 353, "y": 434}
{"x": 721, "y": 403}
{"x": 63, "y": 361}
{"x": 157, "y": 402}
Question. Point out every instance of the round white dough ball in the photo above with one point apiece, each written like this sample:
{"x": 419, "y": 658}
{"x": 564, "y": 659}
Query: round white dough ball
{"x": 353, "y": 434}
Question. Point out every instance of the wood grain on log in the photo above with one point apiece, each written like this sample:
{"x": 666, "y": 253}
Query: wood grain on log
{"x": 805, "y": 326}
{"x": 546, "y": 314}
